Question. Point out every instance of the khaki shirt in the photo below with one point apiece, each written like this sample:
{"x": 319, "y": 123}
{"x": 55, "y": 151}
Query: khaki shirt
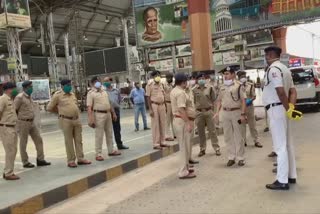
{"x": 250, "y": 90}
{"x": 24, "y": 106}
{"x": 180, "y": 99}
{"x": 155, "y": 92}
{"x": 67, "y": 104}
{"x": 167, "y": 91}
{"x": 203, "y": 97}
{"x": 229, "y": 95}
{"x": 7, "y": 111}
{"x": 99, "y": 100}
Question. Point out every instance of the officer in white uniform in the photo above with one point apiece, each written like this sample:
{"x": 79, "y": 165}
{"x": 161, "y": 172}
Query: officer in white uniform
{"x": 279, "y": 96}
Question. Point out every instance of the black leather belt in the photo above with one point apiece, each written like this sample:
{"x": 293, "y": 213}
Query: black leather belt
{"x": 272, "y": 105}
{"x": 6, "y": 125}
{"x": 159, "y": 104}
{"x": 69, "y": 118}
{"x": 27, "y": 120}
{"x": 231, "y": 109}
{"x": 168, "y": 101}
{"x": 98, "y": 111}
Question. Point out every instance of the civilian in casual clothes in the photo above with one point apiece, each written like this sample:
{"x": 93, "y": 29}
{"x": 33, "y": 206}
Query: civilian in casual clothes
{"x": 137, "y": 98}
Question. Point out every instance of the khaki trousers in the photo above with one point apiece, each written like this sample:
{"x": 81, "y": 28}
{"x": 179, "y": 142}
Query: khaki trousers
{"x": 9, "y": 140}
{"x": 158, "y": 122}
{"x": 103, "y": 126}
{"x": 252, "y": 126}
{"x": 184, "y": 140}
{"x": 169, "y": 122}
{"x": 25, "y": 129}
{"x": 203, "y": 120}
{"x": 232, "y": 135}
{"x": 72, "y": 131}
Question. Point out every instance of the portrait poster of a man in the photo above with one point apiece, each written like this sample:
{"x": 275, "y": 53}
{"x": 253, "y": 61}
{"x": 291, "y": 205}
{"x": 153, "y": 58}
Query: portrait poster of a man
{"x": 150, "y": 17}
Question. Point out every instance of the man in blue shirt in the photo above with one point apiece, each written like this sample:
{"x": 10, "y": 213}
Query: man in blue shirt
{"x": 115, "y": 100}
{"x": 137, "y": 98}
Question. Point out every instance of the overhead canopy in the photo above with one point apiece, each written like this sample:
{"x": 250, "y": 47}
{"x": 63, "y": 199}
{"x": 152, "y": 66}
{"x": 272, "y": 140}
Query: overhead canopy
{"x": 100, "y": 21}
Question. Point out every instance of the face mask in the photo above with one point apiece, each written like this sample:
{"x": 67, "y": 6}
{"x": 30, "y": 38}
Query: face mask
{"x": 67, "y": 89}
{"x": 29, "y": 91}
{"x": 228, "y": 82}
{"x": 243, "y": 80}
{"x": 97, "y": 85}
{"x": 201, "y": 82}
{"x": 192, "y": 83}
{"x": 157, "y": 79}
{"x": 107, "y": 84}
{"x": 14, "y": 92}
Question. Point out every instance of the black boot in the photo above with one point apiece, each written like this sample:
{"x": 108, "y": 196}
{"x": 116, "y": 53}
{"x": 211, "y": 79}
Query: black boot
{"x": 43, "y": 163}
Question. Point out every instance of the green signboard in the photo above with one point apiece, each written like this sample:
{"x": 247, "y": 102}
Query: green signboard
{"x": 12, "y": 64}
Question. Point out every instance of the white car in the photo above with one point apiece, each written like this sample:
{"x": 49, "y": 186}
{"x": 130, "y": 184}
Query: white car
{"x": 306, "y": 80}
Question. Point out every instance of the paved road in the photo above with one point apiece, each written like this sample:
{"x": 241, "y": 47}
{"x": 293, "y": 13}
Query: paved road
{"x": 217, "y": 189}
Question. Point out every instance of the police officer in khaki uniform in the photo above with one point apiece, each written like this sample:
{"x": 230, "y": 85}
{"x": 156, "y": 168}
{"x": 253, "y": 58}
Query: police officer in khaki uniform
{"x": 169, "y": 117}
{"x": 157, "y": 107}
{"x": 25, "y": 108}
{"x": 251, "y": 96}
{"x": 231, "y": 100}
{"x": 65, "y": 103}
{"x": 204, "y": 103}
{"x": 8, "y": 120}
{"x": 183, "y": 122}
{"x": 100, "y": 116}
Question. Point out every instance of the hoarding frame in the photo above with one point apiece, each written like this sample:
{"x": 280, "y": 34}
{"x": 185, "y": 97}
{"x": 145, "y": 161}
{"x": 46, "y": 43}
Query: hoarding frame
{"x": 223, "y": 34}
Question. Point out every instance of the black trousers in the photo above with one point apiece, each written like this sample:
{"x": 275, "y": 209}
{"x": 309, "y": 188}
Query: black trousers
{"x": 117, "y": 128}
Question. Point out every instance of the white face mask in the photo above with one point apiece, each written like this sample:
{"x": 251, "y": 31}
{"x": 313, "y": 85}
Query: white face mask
{"x": 243, "y": 80}
{"x": 228, "y": 82}
{"x": 191, "y": 83}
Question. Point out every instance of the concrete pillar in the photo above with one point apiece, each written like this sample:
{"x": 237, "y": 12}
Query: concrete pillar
{"x": 201, "y": 39}
{"x": 279, "y": 37}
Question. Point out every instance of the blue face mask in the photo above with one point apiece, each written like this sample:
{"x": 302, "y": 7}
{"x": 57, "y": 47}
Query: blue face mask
{"x": 201, "y": 82}
{"x": 97, "y": 85}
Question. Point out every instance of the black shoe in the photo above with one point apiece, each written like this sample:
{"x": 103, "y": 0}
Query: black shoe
{"x": 292, "y": 180}
{"x": 275, "y": 170}
{"x": 278, "y": 186}
{"x": 122, "y": 147}
{"x": 202, "y": 153}
{"x": 272, "y": 155}
{"x": 43, "y": 163}
{"x": 275, "y": 164}
{"x": 146, "y": 128}
{"x": 266, "y": 129}
{"x": 193, "y": 162}
{"x": 218, "y": 153}
{"x": 230, "y": 163}
{"x": 28, "y": 165}
{"x": 241, "y": 163}
{"x": 258, "y": 145}
{"x": 245, "y": 144}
